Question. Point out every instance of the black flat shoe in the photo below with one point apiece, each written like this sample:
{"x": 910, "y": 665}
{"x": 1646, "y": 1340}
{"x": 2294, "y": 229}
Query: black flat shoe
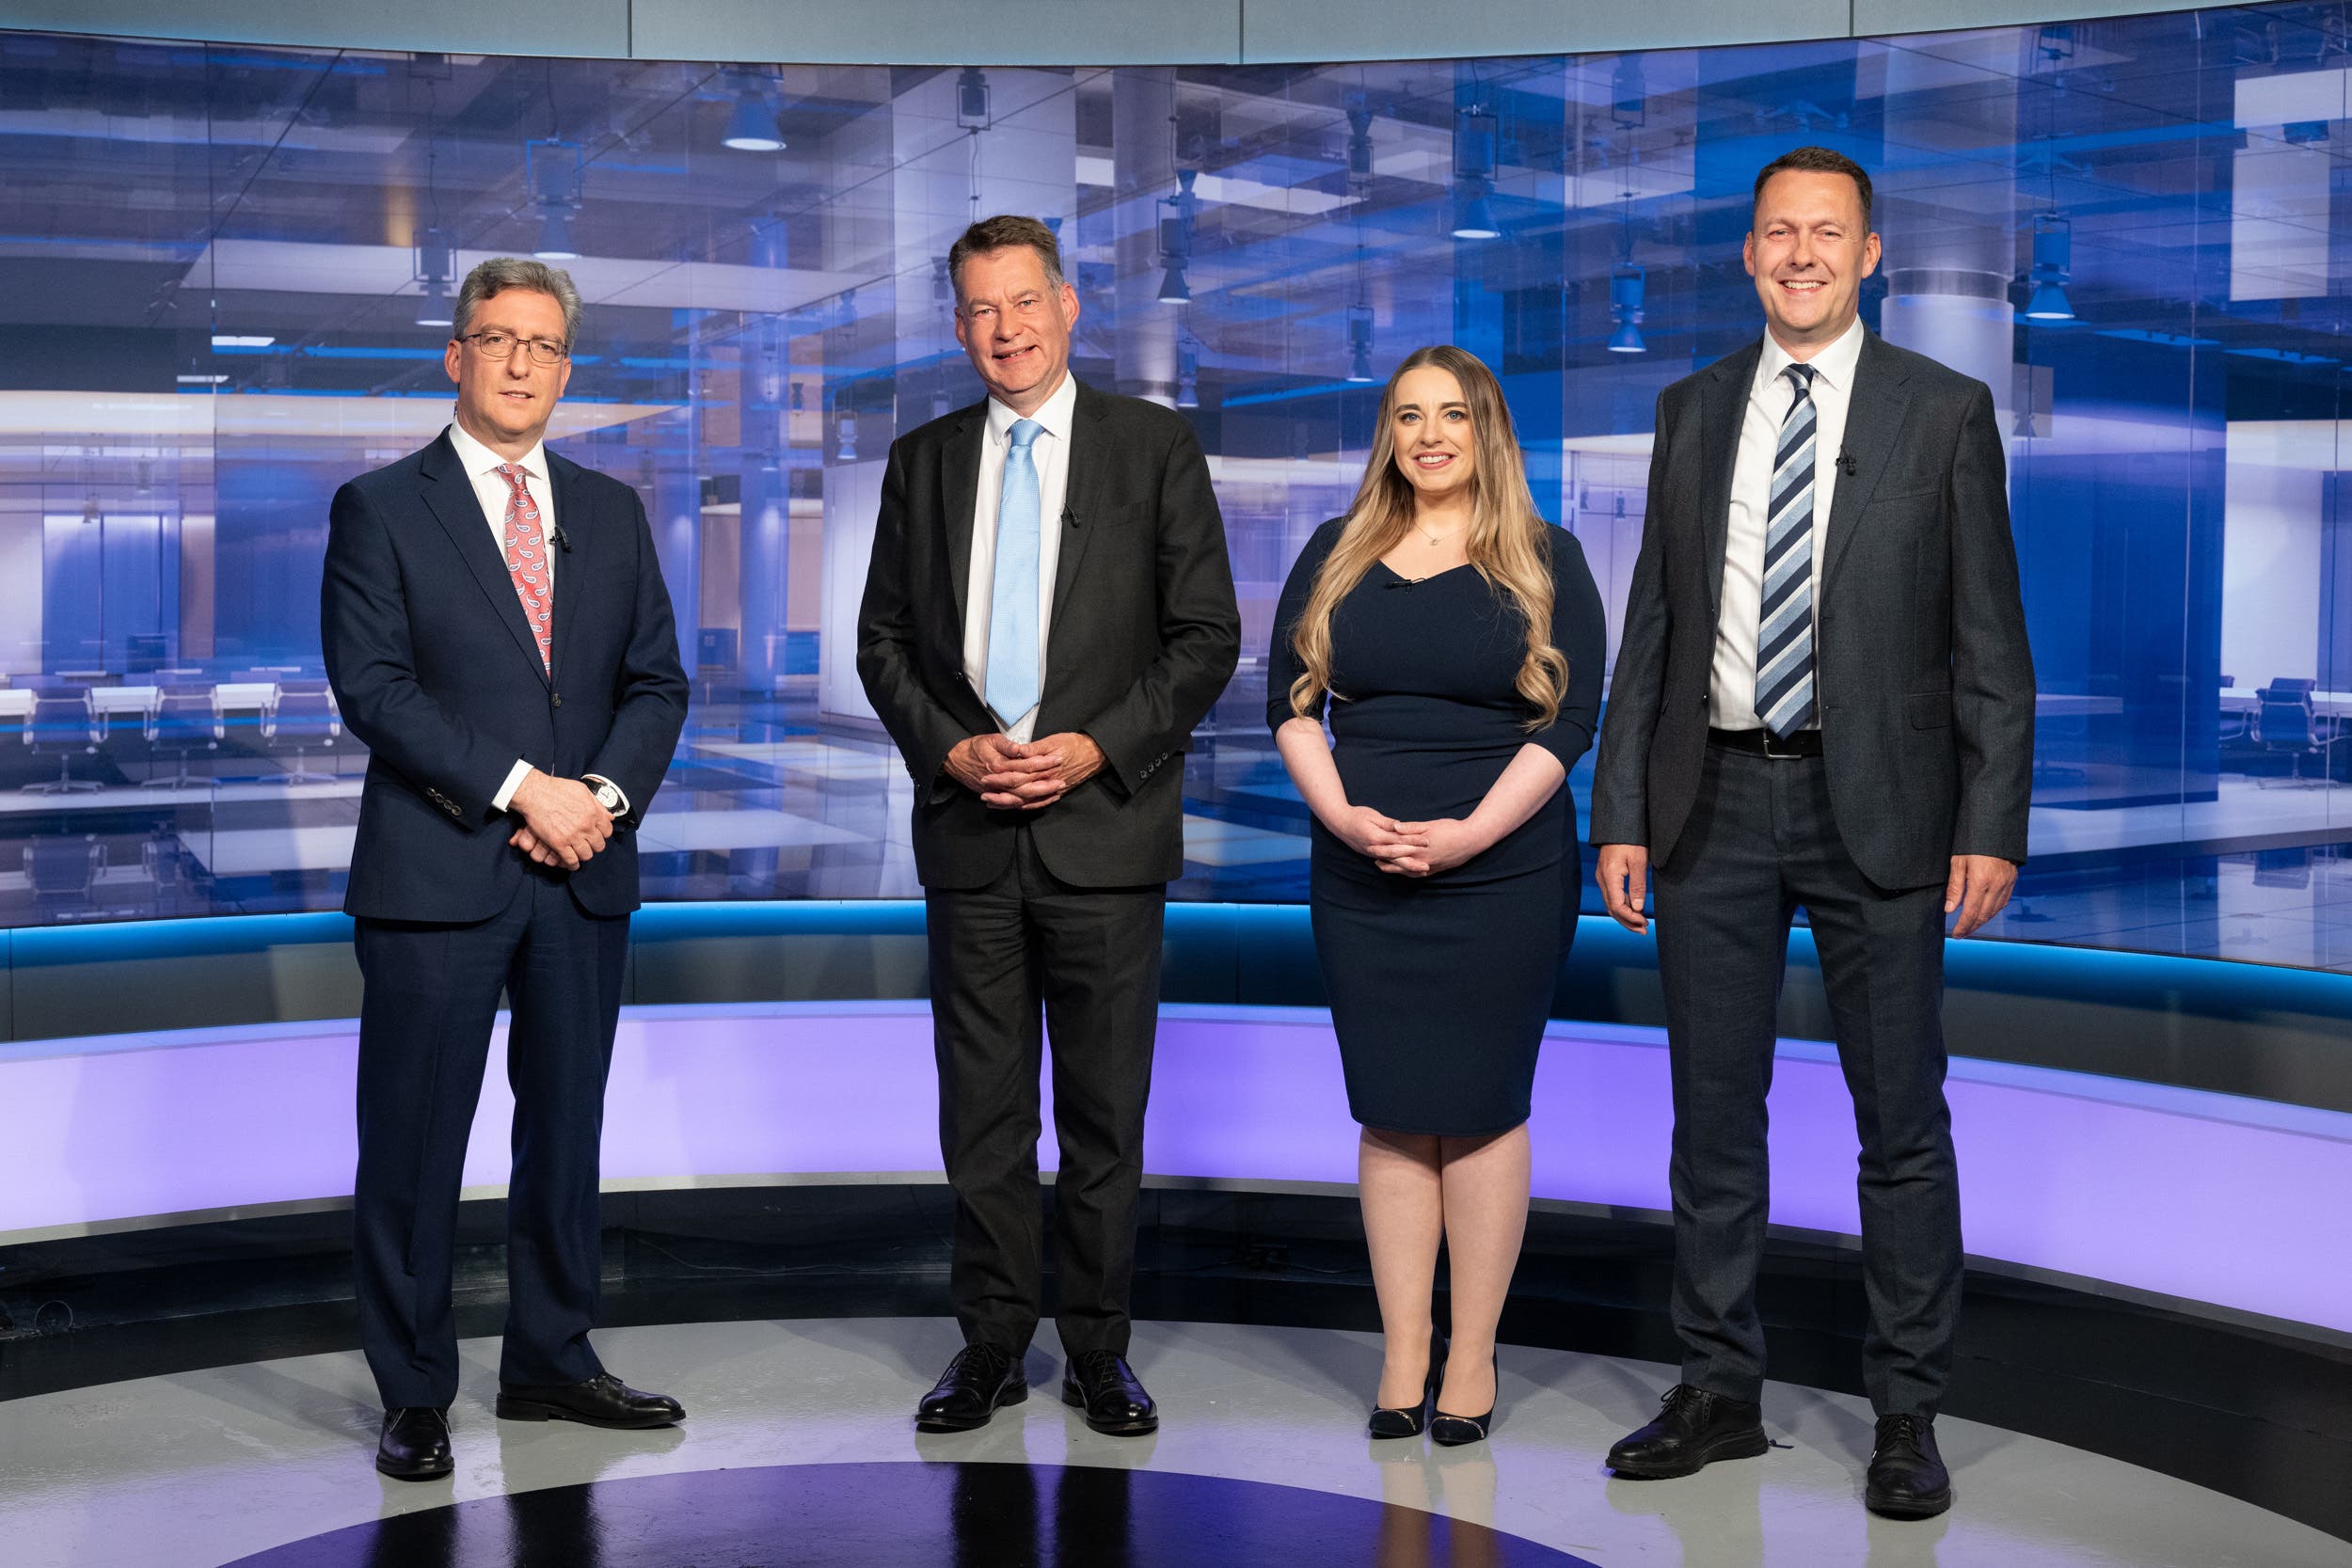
{"x": 603, "y": 1400}
{"x": 1693, "y": 1429}
{"x": 1102, "y": 1385}
{"x": 1407, "y": 1421}
{"x": 414, "y": 1444}
{"x": 1907, "y": 1479}
{"x": 981, "y": 1380}
{"x": 1452, "y": 1431}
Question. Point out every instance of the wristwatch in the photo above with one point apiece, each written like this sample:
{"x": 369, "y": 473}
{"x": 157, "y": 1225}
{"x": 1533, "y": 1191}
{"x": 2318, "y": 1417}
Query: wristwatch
{"x": 607, "y": 795}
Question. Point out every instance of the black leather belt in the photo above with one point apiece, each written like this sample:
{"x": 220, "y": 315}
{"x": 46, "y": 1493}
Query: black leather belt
{"x": 1759, "y": 743}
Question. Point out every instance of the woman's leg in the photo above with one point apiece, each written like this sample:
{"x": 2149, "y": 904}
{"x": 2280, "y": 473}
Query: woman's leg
{"x": 1482, "y": 1182}
{"x": 1403, "y": 1216}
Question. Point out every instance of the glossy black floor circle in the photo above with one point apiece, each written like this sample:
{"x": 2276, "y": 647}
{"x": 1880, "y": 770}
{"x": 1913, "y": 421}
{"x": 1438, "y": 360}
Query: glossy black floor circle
{"x": 918, "y": 1516}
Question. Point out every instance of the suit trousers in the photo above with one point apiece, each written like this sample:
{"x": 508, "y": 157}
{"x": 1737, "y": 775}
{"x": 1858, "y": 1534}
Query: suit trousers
{"x": 1760, "y": 843}
{"x": 1090, "y": 959}
{"x": 431, "y": 998}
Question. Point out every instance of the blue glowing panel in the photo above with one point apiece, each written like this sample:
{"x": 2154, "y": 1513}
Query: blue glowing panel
{"x": 225, "y": 273}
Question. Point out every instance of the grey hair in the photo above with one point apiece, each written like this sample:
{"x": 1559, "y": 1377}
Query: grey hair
{"x": 501, "y": 272}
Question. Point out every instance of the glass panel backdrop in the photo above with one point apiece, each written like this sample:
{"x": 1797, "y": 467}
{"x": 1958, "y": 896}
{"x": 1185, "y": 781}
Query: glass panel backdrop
{"x": 225, "y": 271}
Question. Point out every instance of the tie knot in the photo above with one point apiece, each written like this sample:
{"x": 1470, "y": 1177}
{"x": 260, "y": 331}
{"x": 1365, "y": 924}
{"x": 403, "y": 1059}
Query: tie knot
{"x": 1024, "y": 434}
{"x": 512, "y": 475}
{"x": 1803, "y": 377}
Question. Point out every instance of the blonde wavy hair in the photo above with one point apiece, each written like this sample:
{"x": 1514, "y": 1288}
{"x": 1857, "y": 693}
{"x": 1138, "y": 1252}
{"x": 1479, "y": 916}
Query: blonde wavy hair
{"x": 1505, "y": 542}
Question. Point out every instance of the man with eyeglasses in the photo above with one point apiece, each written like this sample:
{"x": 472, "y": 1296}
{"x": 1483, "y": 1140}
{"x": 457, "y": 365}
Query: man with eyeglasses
{"x": 1048, "y": 612}
{"x": 498, "y": 635}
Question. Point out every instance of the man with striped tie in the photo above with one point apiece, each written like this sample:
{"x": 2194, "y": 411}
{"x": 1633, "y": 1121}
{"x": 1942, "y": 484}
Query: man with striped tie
{"x": 1048, "y": 612}
{"x": 1823, "y": 699}
{"x": 498, "y": 635}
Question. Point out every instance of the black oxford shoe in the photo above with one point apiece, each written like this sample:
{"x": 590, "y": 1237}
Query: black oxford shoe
{"x": 1693, "y": 1429}
{"x": 414, "y": 1444}
{"x": 1107, "y": 1390}
{"x": 603, "y": 1400}
{"x": 982, "y": 1380}
{"x": 1907, "y": 1479}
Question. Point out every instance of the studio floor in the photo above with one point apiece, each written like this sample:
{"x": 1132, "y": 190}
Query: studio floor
{"x": 798, "y": 1449}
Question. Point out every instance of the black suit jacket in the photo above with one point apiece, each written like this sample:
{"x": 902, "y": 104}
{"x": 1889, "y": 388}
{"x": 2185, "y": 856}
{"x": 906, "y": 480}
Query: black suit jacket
{"x": 1921, "y": 672}
{"x": 437, "y": 673}
{"x": 1145, "y": 635}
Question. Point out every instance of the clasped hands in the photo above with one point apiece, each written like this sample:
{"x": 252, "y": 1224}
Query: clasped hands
{"x": 563, "y": 825}
{"x": 1016, "y": 775}
{"x": 1407, "y": 848}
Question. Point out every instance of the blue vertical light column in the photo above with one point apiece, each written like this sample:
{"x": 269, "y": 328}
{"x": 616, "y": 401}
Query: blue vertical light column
{"x": 677, "y": 501}
{"x": 1477, "y": 309}
{"x": 766, "y": 490}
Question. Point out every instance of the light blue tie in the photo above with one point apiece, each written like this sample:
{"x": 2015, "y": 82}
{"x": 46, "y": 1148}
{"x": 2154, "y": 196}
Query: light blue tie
{"x": 1013, "y": 685}
{"x": 1784, "y": 641}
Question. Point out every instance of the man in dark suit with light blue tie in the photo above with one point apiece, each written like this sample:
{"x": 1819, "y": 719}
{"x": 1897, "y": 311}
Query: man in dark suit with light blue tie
{"x": 1048, "y": 614}
{"x": 1823, "y": 699}
{"x": 498, "y": 636}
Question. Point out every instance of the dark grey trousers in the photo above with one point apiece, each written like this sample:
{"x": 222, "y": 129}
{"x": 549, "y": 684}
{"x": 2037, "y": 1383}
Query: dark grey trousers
{"x": 1090, "y": 959}
{"x": 1760, "y": 843}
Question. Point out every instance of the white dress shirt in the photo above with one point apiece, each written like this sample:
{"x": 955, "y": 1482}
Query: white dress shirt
{"x": 1051, "y": 454}
{"x": 1731, "y": 699}
{"x": 490, "y": 488}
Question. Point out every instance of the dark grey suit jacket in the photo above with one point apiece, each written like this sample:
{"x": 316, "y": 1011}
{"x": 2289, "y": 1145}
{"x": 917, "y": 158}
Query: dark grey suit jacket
{"x": 1922, "y": 675}
{"x": 1145, "y": 634}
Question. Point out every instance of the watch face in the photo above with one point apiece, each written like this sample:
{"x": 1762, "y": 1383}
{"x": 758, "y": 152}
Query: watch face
{"x": 607, "y": 797}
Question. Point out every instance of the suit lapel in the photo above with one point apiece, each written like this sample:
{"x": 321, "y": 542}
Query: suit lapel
{"x": 1081, "y": 494}
{"x": 1874, "y": 421}
{"x": 1723, "y": 409}
{"x": 448, "y": 494}
{"x": 960, "y": 487}
{"x": 571, "y": 572}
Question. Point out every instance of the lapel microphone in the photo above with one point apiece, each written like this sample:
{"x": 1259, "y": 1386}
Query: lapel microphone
{"x": 1846, "y": 466}
{"x": 564, "y": 540}
{"x": 1069, "y": 518}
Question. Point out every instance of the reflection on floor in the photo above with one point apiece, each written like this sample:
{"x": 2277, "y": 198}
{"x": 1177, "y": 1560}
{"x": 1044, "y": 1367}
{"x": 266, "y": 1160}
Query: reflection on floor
{"x": 769, "y": 799}
{"x": 204, "y": 1468}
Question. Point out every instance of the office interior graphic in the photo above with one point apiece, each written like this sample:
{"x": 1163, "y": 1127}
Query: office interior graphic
{"x": 229, "y": 270}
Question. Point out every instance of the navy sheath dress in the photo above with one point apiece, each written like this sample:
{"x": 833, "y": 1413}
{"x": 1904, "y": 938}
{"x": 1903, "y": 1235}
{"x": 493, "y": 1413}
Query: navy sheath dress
{"x": 1441, "y": 985}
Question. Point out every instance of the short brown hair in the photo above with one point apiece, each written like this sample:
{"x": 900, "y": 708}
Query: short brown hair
{"x": 1817, "y": 160}
{"x": 1002, "y": 232}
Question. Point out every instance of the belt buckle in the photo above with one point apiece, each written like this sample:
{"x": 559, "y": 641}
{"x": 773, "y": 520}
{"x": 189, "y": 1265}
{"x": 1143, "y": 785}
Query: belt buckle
{"x": 1773, "y": 742}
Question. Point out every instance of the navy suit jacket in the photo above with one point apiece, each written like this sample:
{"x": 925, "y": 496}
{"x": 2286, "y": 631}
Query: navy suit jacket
{"x": 439, "y": 675}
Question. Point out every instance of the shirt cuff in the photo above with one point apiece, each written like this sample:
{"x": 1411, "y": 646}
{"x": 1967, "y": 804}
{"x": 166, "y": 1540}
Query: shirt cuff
{"x": 598, "y": 778}
{"x": 515, "y": 777}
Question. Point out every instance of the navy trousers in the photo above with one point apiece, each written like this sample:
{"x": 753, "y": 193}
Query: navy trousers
{"x": 432, "y": 996}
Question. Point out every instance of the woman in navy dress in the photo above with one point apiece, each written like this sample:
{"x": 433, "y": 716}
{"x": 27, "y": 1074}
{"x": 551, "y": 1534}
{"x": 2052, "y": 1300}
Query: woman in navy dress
{"x": 1455, "y": 640}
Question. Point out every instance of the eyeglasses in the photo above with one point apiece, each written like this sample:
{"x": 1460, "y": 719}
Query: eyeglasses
{"x": 502, "y": 345}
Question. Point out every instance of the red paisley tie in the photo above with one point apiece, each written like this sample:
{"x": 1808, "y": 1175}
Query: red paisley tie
{"x": 526, "y": 561}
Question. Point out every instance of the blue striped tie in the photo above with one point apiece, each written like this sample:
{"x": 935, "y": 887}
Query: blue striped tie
{"x": 1012, "y": 682}
{"x": 1784, "y": 633}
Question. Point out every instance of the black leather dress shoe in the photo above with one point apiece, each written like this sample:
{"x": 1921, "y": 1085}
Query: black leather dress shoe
{"x": 1103, "y": 1388}
{"x": 982, "y": 1380}
{"x": 414, "y": 1444}
{"x": 603, "y": 1400}
{"x": 1907, "y": 1478}
{"x": 1693, "y": 1430}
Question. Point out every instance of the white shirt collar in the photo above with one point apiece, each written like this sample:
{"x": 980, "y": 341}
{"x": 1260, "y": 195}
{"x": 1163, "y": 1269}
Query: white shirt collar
{"x": 479, "y": 460}
{"x": 1834, "y": 365}
{"x": 1056, "y": 416}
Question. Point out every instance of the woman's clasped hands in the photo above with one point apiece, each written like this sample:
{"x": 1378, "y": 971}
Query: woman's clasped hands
{"x": 1408, "y": 848}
